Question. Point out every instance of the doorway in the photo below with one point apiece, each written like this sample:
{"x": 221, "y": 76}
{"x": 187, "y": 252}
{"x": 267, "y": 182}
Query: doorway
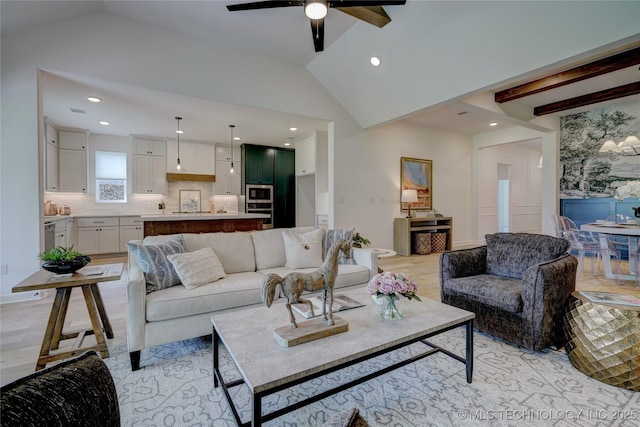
{"x": 504, "y": 190}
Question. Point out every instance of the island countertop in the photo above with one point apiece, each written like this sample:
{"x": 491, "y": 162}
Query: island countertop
{"x": 201, "y": 216}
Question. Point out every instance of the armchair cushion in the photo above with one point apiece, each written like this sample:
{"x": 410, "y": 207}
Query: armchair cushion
{"x": 495, "y": 291}
{"x": 510, "y": 254}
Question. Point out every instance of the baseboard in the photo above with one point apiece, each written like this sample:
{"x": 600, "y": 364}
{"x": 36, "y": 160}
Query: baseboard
{"x": 21, "y": 297}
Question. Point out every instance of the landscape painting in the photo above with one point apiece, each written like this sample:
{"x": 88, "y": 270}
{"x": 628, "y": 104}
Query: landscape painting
{"x": 416, "y": 174}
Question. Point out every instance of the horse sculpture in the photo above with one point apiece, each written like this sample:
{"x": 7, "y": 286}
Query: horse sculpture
{"x": 293, "y": 284}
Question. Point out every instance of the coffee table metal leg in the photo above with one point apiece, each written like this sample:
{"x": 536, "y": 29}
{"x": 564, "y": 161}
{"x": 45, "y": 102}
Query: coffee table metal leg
{"x": 256, "y": 418}
{"x": 469, "y": 353}
{"x": 216, "y": 357}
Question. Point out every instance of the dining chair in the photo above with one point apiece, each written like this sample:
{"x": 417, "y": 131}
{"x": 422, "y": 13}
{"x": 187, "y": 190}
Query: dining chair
{"x": 585, "y": 243}
{"x": 557, "y": 225}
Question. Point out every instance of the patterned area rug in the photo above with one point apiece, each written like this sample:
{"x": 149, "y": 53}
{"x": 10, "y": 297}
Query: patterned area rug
{"x": 511, "y": 386}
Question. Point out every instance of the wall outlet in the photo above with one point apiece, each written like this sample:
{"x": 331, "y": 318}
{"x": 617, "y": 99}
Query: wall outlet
{"x": 4, "y": 269}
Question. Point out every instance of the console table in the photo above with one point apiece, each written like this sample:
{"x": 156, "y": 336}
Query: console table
{"x": 404, "y": 230}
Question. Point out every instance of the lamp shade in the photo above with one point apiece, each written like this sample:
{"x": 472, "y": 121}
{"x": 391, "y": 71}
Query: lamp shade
{"x": 409, "y": 196}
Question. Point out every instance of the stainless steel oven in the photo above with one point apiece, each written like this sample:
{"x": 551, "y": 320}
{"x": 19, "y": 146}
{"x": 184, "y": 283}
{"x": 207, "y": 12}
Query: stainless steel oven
{"x": 259, "y": 199}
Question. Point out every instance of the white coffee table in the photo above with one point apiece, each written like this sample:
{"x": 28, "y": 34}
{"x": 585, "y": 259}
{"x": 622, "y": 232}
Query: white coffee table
{"x": 267, "y": 368}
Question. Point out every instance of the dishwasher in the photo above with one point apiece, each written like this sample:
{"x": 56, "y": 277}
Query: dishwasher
{"x": 49, "y": 236}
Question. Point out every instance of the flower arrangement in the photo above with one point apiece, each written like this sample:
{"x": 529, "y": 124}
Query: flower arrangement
{"x": 393, "y": 285}
{"x": 630, "y": 189}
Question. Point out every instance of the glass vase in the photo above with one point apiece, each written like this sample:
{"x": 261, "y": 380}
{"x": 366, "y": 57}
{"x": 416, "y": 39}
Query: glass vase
{"x": 390, "y": 310}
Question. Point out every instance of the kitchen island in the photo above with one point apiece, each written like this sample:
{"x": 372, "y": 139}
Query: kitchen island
{"x": 157, "y": 224}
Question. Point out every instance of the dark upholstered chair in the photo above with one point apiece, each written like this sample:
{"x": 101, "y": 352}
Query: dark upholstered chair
{"x": 517, "y": 285}
{"x": 77, "y": 392}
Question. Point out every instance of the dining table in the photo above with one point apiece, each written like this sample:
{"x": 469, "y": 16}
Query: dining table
{"x": 629, "y": 230}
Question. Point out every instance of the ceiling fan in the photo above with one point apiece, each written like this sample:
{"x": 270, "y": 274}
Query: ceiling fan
{"x": 369, "y": 11}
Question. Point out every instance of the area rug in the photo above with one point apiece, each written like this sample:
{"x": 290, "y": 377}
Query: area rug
{"x": 511, "y": 386}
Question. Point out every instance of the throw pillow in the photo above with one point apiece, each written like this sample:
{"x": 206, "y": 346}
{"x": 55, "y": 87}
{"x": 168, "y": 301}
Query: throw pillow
{"x": 158, "y": 271}
{"x": 197, "y": 268}
{"x": 302, "y": 250}
{"x": 333, "y": 235}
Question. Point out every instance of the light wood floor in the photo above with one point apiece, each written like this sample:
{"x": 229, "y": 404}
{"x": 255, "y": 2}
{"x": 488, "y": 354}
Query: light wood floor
{"x": 22, "y": 324}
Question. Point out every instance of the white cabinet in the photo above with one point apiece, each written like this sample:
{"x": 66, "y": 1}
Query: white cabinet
{"x": 61, "y": 234}
{"x": 131, "y": 228}
{"x": 71, "y": 231}
{"x": 72, "y": 140}
{"x": 50, "y": 133}
{"x": 149, "y": 174}
{"x": 148, "y": 146}
{"x": 227, "y": 182}
{"x": 98, "y": 235}
{"x": 306, "y": 156}
{"x": 72, "y": 177}
{"x": 149, "y": 166}
{"x": 51, "y": 167}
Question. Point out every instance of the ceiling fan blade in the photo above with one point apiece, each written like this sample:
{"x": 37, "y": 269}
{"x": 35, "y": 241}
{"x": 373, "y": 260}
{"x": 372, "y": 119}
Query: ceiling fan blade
{"x": 317, "y": 30}
{"x": 357, "y": 3}
{"x": 374, "y": 15}
{"x": 263, "y": 5}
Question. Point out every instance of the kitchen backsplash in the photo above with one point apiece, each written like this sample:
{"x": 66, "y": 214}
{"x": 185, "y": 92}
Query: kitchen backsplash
{"x": 85, "y": 204}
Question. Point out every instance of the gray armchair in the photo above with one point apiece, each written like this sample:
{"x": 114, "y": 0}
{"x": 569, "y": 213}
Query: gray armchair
{"x": 517, "y": 285}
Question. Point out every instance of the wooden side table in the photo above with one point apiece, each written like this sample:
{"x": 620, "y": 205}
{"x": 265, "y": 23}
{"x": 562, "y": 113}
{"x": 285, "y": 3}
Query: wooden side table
{"x": 49, "y": 351}
{"x": 604, "y": 339}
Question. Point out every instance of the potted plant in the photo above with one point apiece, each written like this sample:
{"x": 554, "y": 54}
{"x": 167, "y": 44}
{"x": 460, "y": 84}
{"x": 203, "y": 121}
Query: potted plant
{"x": 62, "y": 260}
{"x": 358, "y": 241}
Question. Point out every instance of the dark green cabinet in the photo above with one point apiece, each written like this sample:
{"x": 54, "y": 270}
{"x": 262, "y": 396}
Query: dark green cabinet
{"x": 273, "y": 166}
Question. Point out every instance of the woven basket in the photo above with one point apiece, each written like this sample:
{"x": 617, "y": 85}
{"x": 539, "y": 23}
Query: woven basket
{"x": 423, "y": 243}
{"x": 438, "y": 242}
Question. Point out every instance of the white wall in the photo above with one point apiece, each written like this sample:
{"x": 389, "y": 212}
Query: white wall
{"x": 368, "y": 170}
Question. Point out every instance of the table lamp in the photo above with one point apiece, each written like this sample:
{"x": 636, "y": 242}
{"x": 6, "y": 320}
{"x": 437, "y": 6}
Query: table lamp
{"x": 409, "y": 196}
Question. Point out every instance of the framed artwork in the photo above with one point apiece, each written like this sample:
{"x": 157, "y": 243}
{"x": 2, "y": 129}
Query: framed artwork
{"x": 415, "y": 174}
{"x": 190, "y": 201}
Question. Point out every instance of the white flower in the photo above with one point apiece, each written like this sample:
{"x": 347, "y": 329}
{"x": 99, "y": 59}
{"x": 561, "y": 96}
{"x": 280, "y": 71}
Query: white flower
{"x": 630, "y": 189}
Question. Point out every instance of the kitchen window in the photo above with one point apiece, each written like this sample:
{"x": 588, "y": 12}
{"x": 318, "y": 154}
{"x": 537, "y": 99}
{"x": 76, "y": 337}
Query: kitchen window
{"x": 111, "y": 177}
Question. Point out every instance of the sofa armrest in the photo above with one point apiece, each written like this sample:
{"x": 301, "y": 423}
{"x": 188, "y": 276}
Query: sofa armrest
{"x": 366, "y": 258}
{"x": 136, "y": 305}
{"x": 546, "y": 287}
{"x": 463, "y": 263}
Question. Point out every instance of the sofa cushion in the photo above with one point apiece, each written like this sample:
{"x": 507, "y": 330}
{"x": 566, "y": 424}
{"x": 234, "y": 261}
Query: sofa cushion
{"x": 496, "y": 291}
{"x": 302, "y": 250}
{"x": 510, "y": 254}
{"x": 197, "y": 268}
{"x": 234, "y": 250}
{"x": 331, "y": 236}
{"x": 269, "y": 246}
{"x": 158, "y": 271}
{"x": 234, "y": 290}
{"x": 348, "y": 275}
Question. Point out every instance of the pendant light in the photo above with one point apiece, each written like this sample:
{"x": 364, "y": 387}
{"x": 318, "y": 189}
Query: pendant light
{"x": 231, "y": 169}
{"x": 178, "y": 132}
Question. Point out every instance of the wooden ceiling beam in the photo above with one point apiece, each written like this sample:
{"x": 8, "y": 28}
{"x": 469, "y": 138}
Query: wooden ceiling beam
{"x": 583, "y": 72}
{"x": 592, "y": 98}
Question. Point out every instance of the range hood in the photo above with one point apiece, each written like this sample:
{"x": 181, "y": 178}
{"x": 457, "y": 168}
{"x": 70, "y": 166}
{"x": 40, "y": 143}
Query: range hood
{"x": 175, "y": 177}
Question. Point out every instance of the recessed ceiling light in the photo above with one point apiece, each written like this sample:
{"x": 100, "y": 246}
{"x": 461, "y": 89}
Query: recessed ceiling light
{"x": 375, "y": 61}
{"x": 236, "y": 138}
{"x": 180, "y": 132}
{"x": 293, "y": 129}
{"x": 493, "y": 124}
{"x": 105, "y": 123}
{"x": 287, "y": 144}
{"x": 94, "y": 99}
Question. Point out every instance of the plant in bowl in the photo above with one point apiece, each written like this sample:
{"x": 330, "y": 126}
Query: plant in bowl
{"x": 62, "y": 260}
{"x": 358, "y": 241}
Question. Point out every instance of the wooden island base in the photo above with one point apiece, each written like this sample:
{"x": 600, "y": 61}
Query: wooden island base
{"x": 157, "y": 227}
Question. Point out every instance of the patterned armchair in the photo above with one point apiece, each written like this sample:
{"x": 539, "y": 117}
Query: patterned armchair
{"x": 517, "y": 285}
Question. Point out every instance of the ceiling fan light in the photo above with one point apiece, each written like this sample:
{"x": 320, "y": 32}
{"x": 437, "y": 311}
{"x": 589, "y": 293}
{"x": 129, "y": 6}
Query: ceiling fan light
{"x": 315, "y": 9}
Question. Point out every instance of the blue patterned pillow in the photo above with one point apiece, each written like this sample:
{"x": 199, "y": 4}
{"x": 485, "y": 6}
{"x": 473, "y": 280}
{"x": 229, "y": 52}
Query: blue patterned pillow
{"x": 158, "y": 271}
{"x": 333, "y": 235}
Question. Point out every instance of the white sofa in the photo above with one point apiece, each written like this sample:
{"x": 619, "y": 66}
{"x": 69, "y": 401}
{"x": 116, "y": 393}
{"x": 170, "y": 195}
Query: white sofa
{"x": 176, "y": 313}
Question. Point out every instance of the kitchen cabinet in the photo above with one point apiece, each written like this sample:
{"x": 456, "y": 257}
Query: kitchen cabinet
{"x": 284, "y": 189}
{"x": 61, "y": 233}
{"x": 223, "y": 153}
{"x": 72, "y": 171}
{"x": 258, "y": 162}
{"x": 149, "y": 146}
{"x": 131, "y": 228}
{"x": 71, "y": 232}
{"x": 98, "y": 235}
{"x": 72, "y": 140}
{"x": 149, "y": 166}
{"x": 51, "y": 167}
{"x": 50, "y": 133}
{"x": 306, "y": 156}
{"x": 227, "y": 182}
{"x": 312, "y": 177}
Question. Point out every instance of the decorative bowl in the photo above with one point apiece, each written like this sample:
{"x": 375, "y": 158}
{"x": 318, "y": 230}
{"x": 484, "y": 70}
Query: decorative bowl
{"x": 68, "y": 266}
